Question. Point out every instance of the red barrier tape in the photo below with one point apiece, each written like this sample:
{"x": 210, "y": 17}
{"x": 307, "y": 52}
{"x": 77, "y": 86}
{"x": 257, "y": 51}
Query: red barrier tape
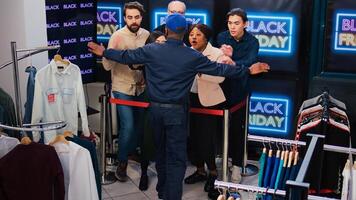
{"x": 207, "y": 111}
{"x": 193, "y": 110}
{"x": 129, "y": 103}
{"x": 238, "y": 106}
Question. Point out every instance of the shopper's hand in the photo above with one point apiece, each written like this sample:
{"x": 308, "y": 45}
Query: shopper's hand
{"x": 96, "y": 48}
{"x": 227, "y": 50}
{"x": 226, "y": 60}
{"x": 91, "y": 137}
{"x": 259, "y": 68}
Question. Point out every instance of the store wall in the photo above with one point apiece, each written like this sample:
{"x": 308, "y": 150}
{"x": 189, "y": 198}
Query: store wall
{"x": 24, "y": 22}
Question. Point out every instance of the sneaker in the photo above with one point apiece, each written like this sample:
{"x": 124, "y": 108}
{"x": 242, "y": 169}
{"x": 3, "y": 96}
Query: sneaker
{"x": 195, "y": 178}
{"x": 236, "y": 174}
{"x": 120, "y": 172}
{"x": 143, "y": 183}
{"x": 209, "y": 184}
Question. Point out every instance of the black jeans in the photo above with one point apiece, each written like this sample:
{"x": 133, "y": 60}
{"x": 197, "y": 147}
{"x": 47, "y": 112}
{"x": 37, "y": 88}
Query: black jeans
{"x": 203, "y": 134}
{"x": 237, "y": 136}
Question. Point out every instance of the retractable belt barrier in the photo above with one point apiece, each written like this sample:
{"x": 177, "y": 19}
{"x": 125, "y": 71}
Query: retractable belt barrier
{"x": 193, "y": 110}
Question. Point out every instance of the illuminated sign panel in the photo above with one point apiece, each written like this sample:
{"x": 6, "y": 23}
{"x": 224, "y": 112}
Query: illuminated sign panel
{"x": 275, "y": 33}
{"x": 345, "y": 32}
{"x": 192, "y": 16}
{"x": 109, "y": 20}
{"x": 269, "y": 114}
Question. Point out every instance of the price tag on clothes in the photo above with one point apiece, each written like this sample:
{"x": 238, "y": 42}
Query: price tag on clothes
{"x": 51, "y": 98}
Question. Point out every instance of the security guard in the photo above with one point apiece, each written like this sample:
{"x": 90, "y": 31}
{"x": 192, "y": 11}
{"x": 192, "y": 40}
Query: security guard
{"x": 170, "y": 71}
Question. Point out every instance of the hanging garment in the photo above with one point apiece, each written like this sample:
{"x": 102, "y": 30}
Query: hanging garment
{"x": 332, "y": 122}
{"x": 58, "y": 97}
{"x": 345, "y": 183}
{"x": 280, "y": 167}
{"x": 295, "y": 167}
{"x": 262, "y": 162}
{"x": 275, "y": 170}
{"x": 9, "y": 117}
{"x": 318, "y": 100}
{"x": 79, "y": 178}
{"x": 269, "y": 166}
{"x": 7, "y": 144}
{"x": 31, "y": 171}
{"x": 283, "y": 171}
{"x": 29, "y": 93}
{"x": 288, "y": 170}
{"x": 91, "y": 148}
{"x": 327, "y": 175}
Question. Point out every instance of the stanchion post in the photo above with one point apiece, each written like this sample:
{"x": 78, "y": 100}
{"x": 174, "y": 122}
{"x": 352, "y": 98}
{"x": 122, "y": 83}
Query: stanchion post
{"x": 247, "y": 169}
{"x": 225, "y": 145}
{"x": 105, "y": 177}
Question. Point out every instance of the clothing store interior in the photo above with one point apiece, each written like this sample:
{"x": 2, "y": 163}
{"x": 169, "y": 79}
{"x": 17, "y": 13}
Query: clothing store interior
{"x": 189, "y": 99}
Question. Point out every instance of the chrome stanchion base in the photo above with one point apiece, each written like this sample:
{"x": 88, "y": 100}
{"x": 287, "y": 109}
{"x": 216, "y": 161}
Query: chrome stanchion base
{"x": 108, "y": 178}
{"x": 249, "y": 170}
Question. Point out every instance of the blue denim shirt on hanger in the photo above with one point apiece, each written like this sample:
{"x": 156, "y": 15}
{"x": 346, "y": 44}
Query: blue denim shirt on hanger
{"x": 29, "y": 93}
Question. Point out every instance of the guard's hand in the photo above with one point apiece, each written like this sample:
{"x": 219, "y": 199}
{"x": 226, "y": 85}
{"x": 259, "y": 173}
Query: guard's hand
{"x": 96, "y": 48}
{"x": 259, "y": 68}
{"x": 227, "y": 50}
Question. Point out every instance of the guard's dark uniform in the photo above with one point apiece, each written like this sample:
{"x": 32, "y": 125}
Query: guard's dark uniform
{"x": 170, "y": 71}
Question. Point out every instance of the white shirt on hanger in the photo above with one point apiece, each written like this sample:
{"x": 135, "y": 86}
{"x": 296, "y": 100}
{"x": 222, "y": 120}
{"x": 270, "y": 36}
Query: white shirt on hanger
{"x": 7, "y": 144}
{"x": 58, "y": 96}
{"x": 79, "y": 178}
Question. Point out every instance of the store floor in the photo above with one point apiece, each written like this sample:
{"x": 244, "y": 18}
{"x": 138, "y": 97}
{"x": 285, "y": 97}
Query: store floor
{"x": 129, "y": 190}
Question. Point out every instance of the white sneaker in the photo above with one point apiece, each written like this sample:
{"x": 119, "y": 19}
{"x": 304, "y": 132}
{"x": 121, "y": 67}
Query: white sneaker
{"x": 236, "y": 174}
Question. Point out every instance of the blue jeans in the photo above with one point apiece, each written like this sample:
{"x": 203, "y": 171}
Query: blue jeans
{"x": 170, "y": 126}
{"x": 131, "y": 120}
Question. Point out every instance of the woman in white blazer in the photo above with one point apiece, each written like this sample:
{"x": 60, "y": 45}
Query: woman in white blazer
{"x": 205, "y": 92}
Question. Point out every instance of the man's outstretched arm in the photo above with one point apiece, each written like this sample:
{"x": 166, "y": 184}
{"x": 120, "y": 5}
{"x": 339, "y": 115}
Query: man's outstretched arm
{"x": 135, "y": 56}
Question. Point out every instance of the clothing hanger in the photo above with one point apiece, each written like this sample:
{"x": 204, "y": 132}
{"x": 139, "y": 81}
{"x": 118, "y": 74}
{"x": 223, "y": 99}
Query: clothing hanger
{"x": 264, "y": 147}
{"x": 278, "y": 150}
{"x": 59, "y": 138}
{"x": 68, "y": 134}
{"x": 270, "y": 152}
{"x": 290, "y": 159}
{"x": 59, "y": 60}
{"x": 286, "y": 155}
{"x": 296, "y": 154}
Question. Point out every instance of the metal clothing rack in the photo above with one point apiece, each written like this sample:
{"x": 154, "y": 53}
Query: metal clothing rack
{"x": 298, "y": 189}
{"x": 37, "y": 127}
{"x": 259, "y": 190}
{"x": 327, "y": 147}
{"x": 15, "y": 59}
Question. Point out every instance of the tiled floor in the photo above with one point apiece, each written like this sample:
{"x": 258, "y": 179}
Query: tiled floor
{"x": 129, "y": 190}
